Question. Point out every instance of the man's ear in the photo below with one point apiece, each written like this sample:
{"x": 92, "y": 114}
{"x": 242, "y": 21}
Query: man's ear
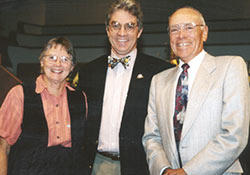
{"x": 205, "y": 33}
{"x": 139, "y": 33}
{"x": 107, "y": 30}
{"x": 72, "y": 68}
{"x": 41, "y": 63}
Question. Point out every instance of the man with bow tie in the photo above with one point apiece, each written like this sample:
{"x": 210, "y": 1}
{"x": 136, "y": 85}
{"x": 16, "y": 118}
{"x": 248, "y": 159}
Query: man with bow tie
{"x": 117, "y": 86}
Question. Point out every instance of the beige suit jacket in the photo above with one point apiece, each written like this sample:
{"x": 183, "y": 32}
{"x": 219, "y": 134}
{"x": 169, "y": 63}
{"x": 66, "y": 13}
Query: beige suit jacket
{"x": 215, "y": 129}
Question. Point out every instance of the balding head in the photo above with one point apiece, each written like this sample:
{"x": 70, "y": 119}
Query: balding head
{"x": 188, "y": 14}
{"x": 187, "y": 31}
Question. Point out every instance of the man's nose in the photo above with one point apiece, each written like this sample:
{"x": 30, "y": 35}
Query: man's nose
{"x": 122, "y": 31}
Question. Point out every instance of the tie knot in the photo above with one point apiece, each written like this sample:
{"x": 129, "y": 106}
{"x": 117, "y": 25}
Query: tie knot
{"x": 112, "y": 62}
{"x": 185, "y": 67}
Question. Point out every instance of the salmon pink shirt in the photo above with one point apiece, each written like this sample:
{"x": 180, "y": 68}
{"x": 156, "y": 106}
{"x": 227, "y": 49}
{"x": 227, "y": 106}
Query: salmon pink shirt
{"x": 55, "y": 109}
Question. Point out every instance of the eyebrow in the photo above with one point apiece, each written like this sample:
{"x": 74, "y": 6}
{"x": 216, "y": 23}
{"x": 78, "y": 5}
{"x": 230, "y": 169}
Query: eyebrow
{"x": 123, "y": 23}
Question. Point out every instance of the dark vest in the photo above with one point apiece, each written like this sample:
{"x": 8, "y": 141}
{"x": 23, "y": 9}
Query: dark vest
{"x": 30, "y": 154}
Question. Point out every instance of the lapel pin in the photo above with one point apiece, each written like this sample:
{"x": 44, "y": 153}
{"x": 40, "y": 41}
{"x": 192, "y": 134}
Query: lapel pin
{"x": 139, "y": 76}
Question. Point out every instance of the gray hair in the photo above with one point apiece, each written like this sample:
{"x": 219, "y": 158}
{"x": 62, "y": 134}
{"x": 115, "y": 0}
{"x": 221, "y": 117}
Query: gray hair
{"x": 59, "y": 41}
{"x": 130, "y": 6}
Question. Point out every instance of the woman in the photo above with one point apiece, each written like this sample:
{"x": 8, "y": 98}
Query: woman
{"x": 42, "y": 122}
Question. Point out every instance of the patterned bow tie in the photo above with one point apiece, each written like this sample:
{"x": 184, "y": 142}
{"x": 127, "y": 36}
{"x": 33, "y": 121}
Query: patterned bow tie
{"x": 112, "y": 62}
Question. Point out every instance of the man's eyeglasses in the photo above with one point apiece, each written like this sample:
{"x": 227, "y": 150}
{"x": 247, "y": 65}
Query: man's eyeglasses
{"x": 53, "y": 59}
{"x": 116, "y": 26}
{"x": 187, "y": 27}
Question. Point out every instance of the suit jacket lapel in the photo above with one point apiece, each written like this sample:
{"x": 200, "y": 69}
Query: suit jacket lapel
{"x": 137, "y": 69}
{"x": 101, "y": 79}
{"x": 168, "y": 109}
{"x": 199, "y": 92}
{"x": 104, "y": 68}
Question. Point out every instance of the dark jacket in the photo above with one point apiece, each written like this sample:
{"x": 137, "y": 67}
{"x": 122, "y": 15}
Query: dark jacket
{"x": 92, "y": 80}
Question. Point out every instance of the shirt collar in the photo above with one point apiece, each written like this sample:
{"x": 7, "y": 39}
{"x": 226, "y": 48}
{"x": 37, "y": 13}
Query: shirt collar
{"x": 196, "y": 61}
{"x": 132, "y": 55}
{"x": 41, "y": 85}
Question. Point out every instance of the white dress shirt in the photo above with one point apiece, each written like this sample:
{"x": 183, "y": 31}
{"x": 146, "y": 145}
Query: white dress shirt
{"x": 194, "y": 65}
{"x": 115, "y": 94}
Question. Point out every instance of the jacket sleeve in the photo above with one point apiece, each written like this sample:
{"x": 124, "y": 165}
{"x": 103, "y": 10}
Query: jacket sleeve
{"x": 224, "y": 149}
{"x": 152, "y": 139}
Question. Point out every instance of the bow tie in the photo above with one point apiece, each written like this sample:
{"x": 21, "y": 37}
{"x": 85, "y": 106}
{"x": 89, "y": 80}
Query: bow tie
{"x": 112, "y": 62}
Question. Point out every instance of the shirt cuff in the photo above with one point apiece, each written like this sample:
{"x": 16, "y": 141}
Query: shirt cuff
{"x": 163, "y": 169}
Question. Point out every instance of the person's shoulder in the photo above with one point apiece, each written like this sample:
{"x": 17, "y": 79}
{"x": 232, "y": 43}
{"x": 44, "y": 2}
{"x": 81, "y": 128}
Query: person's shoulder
{"x": 150, "y": 58}
{"x": 100, "y": 61}
{"x": 166, "y": 72}
{"x": 228, "y": 60}
{"x": 97, "y": 60}
{"x": 154, "y": 60}
{"x": 17, "y": 88}
{"x": 164, "y": 75}
{"x": 225, "y": 58}
{"x": 15, "y": 92}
